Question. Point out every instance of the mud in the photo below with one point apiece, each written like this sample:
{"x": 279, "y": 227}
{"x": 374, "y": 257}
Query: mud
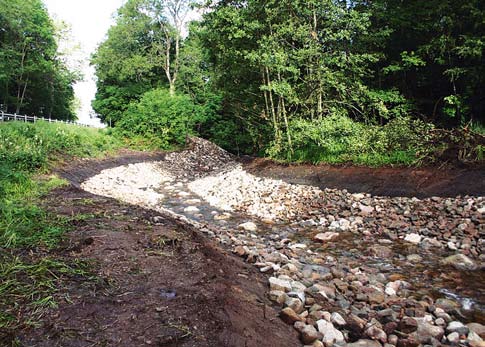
{"x": 408, "y": 182}
{"x": 159, "y": 284}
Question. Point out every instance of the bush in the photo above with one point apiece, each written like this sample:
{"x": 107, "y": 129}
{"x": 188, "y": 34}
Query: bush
{"x": 161, "y": 120}
{"x": 339, "y": 139}
{"x": 406, "y": 133}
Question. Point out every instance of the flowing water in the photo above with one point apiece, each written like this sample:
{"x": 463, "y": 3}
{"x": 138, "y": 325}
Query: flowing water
{"x": 426, "y": 276}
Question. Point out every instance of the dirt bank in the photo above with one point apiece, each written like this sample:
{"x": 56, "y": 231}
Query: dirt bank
{"x": 409, "y": 182}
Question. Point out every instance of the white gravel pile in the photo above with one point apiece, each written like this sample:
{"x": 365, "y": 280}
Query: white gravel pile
{"x": 133, "y": 183}
{"x": 265, "y": 198}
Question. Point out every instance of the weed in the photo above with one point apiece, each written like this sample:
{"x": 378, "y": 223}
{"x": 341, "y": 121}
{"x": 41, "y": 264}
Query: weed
{"x": 84, "y": 202}
{"x": 27, "y": 146}
{"x": 30, "y": 286}
{"x": 182, "y": 328}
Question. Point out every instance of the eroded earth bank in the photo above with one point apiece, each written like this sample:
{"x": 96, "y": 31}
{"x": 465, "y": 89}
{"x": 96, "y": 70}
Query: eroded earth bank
{"x": 341, "y": 268}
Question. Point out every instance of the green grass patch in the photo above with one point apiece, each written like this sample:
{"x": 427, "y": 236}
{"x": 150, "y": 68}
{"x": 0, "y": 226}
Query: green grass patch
{"x": 28, "y": 282}
{"x": 29, "y": 146}
{"x": 316, "y": 156}
{"x": 22, "y": 222}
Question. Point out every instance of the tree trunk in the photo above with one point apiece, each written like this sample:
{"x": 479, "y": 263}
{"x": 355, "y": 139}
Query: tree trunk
{"x": 176, "y": 63}
{"x": 285, "y": 118}
{"x": 167, "y": 67}
{"x": 282, "y": 104}
{"x": 273, "y": 112}
{"x": 20, "y": 93}
{"x": 265, "y": 94}
{"x": 21, "y": 101}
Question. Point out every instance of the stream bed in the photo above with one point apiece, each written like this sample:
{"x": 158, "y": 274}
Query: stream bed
{"x": 349, "y": 266}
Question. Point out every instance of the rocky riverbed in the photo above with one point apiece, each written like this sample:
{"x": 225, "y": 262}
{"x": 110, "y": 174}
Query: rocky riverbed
{"x": 345, "y": 268}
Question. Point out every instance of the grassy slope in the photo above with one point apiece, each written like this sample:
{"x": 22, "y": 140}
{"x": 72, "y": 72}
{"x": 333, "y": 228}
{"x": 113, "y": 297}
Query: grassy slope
{"x": 28, "y": 275}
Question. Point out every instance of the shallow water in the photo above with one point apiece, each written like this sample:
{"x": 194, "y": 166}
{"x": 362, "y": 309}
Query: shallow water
{"x": 427, "y": 277}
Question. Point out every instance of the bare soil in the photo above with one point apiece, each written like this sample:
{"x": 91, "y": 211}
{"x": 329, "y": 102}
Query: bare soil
{"x": 160, "y": 284}
{"x": 388, "y": 181}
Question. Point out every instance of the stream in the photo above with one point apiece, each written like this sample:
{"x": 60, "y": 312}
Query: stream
{"x": 427, "y": 277}
{"x": 384, "y": 263}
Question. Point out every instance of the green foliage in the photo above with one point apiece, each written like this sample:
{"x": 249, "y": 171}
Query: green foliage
{"x": 126, "y": 62}
{"x": 267, "y": 74}
{"x": 339, "y": 139}
{"x": 478, "y": 128}
{"x": 141, "y": 53}
{"x": 433, "y": 56}
{"x": 294, "y": 61}
{"x": 161, "y": 119}
{"x": 33, "y": 77}
{"x": 28, "y": 146}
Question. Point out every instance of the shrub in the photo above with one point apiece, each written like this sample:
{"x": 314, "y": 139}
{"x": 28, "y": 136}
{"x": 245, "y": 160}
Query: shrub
{"x": 339, "y": 139}
{"x": 406, "y": 133}
{"x": 160, "y": 119}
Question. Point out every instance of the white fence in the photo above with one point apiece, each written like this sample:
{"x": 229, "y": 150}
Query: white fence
{"x": 6, "y": 117}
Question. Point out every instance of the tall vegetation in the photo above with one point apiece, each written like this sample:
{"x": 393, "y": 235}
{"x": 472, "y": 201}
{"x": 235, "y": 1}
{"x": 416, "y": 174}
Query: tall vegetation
{"x": 141, "y": 52}
{"x": 33, "y": 77}
{"x": 434, "y": 56}
{"x": 286, "y": 78}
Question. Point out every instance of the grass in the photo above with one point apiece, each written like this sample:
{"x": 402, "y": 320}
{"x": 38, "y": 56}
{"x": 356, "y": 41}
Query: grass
{"x": 398, "y": 158}
{"x": 22, "y": 222}
{"x": 30, "y": 286}
{"x": 28, "y": 146}
{"x": 478, "y": 127}
{"x": 29, "y": 276}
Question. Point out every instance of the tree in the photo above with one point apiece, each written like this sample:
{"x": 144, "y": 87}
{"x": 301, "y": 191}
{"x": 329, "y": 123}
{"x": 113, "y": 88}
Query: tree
{"x": 32, "y": 77}
{"x": 141, "y": 52}
{"x": 434, "y": 56}
{"x": 292, "y": 60}
{"x": 125, "y": 64}
{"x": 170, "y": 17}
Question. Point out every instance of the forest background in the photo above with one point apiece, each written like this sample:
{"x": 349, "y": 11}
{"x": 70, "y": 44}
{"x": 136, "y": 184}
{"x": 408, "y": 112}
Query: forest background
{"x": 367, "y": 82}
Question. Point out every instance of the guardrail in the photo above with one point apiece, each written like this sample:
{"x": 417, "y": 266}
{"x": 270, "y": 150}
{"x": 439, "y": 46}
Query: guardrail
{"x": 7, "y": 117}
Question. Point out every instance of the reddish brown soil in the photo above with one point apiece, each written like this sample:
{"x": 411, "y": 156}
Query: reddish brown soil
{"x": 418, "y": 182}
{"x": 161, "y": 284}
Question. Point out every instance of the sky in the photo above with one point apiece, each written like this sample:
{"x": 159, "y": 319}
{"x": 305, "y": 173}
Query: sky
{"x": 89, "y": 20}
